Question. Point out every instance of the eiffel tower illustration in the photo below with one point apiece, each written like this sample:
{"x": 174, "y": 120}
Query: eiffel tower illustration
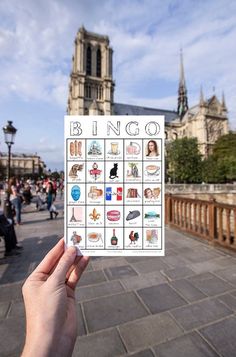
{"x": 73, "y": 219}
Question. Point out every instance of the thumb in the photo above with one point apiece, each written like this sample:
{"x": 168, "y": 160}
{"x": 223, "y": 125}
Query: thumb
{"x": 64, "y": 264}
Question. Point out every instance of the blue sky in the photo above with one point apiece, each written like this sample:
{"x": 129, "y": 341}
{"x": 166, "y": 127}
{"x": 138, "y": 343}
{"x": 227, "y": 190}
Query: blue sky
{"x": 37, "y": 43}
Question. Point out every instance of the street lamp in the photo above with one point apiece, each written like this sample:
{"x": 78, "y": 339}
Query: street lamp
{"x": 9, "y": 134}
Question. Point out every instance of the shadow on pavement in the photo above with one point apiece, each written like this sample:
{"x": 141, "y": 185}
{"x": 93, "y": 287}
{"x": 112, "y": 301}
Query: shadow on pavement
{"x": 16, "y": 269}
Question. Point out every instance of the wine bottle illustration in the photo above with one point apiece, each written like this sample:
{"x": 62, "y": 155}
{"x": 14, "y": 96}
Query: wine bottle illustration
{"x": 114, "y": 239}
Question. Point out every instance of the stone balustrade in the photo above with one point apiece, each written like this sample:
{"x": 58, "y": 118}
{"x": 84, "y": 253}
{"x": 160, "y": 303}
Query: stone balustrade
{"x": 210, "y": 220}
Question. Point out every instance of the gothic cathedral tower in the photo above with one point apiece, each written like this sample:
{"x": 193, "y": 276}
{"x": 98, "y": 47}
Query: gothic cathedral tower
{"x": 91, "y": 88}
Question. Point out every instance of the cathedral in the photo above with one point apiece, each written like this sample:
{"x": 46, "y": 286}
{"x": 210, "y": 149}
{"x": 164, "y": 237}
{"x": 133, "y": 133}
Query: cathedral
{"x": 91, "y": 92}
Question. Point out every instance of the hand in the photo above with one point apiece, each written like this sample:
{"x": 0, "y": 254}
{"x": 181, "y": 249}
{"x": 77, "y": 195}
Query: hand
{"x": 50, "y": 303}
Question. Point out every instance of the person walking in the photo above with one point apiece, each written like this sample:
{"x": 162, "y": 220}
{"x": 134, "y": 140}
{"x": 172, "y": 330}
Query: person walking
{"x": 15, "y": 198}
{"x": 50, "y": 198}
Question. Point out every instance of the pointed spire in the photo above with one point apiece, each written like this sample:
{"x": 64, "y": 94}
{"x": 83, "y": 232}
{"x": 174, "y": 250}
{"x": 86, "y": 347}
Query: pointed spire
{"x": 182, "y": 91}
{"x": 223, "y": 101}
{"x": 201, "y": 102}
{"x": 182, "y": 78}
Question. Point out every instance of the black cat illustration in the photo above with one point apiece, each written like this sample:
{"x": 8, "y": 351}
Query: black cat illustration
{"x": 113, "y": 172}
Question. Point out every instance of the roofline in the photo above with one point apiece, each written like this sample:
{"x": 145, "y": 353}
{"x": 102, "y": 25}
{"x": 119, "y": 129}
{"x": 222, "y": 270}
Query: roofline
{"x": 139, "y": 106}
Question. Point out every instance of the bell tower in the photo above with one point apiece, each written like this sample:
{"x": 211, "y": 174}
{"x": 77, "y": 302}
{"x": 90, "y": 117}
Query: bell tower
{"x": 91, "y": 87}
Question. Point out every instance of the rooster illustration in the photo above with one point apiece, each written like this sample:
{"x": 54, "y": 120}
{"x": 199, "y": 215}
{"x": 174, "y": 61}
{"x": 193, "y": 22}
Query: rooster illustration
{"x": 133, "y": 237}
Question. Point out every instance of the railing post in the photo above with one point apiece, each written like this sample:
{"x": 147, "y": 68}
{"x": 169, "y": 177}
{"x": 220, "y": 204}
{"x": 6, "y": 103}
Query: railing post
{"x": 212, "y": 219}
{"x": 234, "y": 237}
{"x": 168, "y": 208}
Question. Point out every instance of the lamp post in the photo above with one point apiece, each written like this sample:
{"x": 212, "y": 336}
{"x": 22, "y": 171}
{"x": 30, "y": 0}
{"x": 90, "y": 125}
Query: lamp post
{"x": 9, "y": 135}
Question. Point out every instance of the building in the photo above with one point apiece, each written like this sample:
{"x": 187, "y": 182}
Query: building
{"x": 91, "y": 92}
{"x": 22, "y": 164}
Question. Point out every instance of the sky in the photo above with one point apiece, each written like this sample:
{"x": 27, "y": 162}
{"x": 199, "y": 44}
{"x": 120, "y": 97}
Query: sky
{"x": 37, "y": 44}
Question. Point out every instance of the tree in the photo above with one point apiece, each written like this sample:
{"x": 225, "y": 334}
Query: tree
{"x": 184, "y": 158}
{"x": 220, "y": 167}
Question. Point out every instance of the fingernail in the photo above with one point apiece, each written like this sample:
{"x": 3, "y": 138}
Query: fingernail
{"x": 72, "y": 250}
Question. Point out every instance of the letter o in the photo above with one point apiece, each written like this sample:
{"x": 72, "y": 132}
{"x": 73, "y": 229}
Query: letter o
{"x": 152, "y": 128}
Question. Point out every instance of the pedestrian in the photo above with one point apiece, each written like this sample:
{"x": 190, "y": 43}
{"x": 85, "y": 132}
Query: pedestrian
{"x": 49, "y": 298}
{"x": 50, "y": 198}
{"x": 15, "y": 198}
{"x": 7, "y": 231}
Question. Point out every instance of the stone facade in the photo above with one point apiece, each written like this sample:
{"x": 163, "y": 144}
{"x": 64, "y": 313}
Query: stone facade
{"x": 91, "y": 92}
{"x": 91, "y": 86}
{"x": 22, "y": 164}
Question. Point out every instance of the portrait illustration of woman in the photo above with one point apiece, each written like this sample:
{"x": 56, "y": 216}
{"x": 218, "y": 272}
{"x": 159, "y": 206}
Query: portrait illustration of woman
{"x": 152, "y": 149}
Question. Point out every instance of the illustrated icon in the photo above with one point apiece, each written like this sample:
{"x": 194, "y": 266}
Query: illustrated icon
{"x": 73, "y": 174}
{"x": 114, "y": 239}
{"x": 133, "y": 172}
{"x": 95, "y": 192}
{"x": 152, "y": 193}
{"x": 75, "y": 148}
{"x": 113, "y": 172}
{"x": 132, "y": 193}
{"x": 94, "y": 237}
{"x": 152, "y": 236}
{"x": 132, "y": 215}
{"x": 114, "y": 149}
{"x": 133, "y": 236}
{"x": 152, "y": 149}
{"x": 113, "y": 215}
{"x": 95, "y": 173}
{"x": 94, "y": 215}
{"x": 151, "y": 214}
{"x": 152, "y": 170}
{"x": 75, "y": 192}
{"x": 95, "y": 148}
{"x": 75, "y": 238}
{"x": 133, "y": 148}
{"x": 110, "y": 193}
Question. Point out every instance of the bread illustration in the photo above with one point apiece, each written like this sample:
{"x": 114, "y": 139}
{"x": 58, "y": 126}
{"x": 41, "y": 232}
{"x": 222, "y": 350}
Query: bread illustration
{"x": 72, "y": 149}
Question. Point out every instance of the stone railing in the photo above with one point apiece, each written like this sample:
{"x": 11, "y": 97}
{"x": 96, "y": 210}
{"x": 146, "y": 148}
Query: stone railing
{"x": 210, "y": 220}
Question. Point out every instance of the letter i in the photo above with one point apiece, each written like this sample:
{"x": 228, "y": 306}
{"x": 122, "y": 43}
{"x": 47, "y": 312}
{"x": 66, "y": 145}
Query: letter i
{"x": 95, "y": 131}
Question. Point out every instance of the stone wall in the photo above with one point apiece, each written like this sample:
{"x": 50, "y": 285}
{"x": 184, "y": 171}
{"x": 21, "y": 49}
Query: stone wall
{"x": 221, "y": 193}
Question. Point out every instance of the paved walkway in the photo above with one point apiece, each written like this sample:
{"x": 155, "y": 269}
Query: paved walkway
{"x": 181, "y": 305}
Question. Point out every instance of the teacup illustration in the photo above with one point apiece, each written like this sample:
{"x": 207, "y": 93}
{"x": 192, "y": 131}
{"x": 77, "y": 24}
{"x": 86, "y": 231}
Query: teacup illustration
{"x": 152, "y": 170}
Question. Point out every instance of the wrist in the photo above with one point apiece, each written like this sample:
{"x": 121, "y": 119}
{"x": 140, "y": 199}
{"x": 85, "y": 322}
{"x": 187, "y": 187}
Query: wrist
{"x": 38, "y": 346}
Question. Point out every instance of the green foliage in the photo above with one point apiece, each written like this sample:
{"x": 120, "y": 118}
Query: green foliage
{"x": 184, "y": 158}
{"x": 220, "y": 167}
{"x": 225, "y": 146}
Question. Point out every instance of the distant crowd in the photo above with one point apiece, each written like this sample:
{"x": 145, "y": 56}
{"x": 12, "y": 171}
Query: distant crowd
{"x": 18, "y": 192}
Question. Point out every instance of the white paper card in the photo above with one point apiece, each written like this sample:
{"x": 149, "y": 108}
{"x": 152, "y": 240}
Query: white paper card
{"x": 114, "y": 185}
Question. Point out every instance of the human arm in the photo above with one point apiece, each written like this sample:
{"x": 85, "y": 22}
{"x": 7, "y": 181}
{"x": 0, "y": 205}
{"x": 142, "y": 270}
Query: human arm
{"x": 50, "y": 303}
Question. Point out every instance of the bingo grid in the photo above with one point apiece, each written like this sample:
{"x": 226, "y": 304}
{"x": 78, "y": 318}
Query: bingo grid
{"x": 114, "y": 194}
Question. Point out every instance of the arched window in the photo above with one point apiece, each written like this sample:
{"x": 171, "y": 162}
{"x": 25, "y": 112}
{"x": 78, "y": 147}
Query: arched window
{"x": 99, "y": 63}
{"x": 175, "y": 136}
{"x": 89, "y": 61}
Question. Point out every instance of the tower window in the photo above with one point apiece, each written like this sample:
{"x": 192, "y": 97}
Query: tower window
{"x": 99, "y": 92}
{"x": 87, "y": 91}
{"x": 99, "y": 62}
{"x": 89, "y": 61}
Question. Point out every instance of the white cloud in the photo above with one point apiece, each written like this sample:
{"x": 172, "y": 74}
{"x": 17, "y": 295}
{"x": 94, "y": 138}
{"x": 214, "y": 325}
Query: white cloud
{"x": 36, "y": 45}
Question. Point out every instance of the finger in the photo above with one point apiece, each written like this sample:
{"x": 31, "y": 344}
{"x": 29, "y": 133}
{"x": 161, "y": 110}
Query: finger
{"x": 50, "y": 260}
{"x": 76, "y": 261}
{"x": 77, "y": 272}
{"x": 64, "y": 264}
